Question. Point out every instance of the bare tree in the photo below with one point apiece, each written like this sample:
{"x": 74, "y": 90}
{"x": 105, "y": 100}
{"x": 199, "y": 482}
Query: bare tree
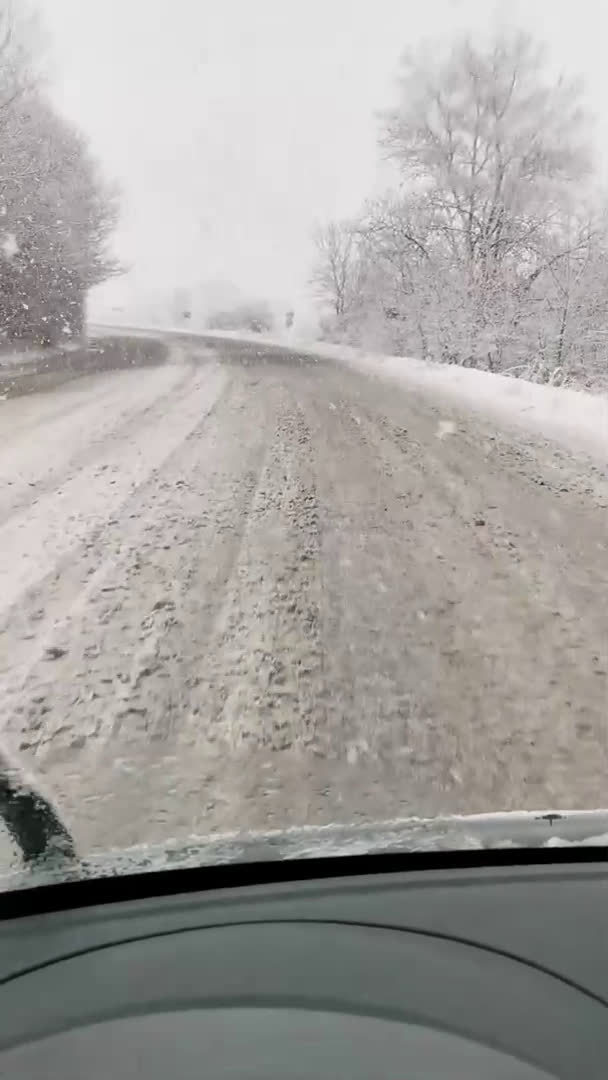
{"x": 336, "y": 268}
{"x": 21, "y": 45}
{"x": 493, "y": 143}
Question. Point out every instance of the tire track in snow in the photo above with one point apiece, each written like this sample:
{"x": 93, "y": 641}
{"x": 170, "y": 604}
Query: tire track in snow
{"x": 124, "y": 620}
{"x": 93, "y": 429}
{"x": 39, "y": 543}
{"x": 45, "y": 606}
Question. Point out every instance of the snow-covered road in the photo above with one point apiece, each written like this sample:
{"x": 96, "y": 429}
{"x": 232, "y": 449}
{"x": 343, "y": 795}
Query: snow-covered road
{"x": 248, "y": 588}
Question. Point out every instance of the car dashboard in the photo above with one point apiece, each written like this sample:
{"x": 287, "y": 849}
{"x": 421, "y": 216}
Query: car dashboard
{"x": 480, "y": 965}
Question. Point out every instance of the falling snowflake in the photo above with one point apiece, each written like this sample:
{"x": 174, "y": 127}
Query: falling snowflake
{"x": 9, "y": 245}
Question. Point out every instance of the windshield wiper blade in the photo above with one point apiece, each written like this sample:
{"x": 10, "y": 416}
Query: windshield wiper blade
{"x": 32, "y": 821}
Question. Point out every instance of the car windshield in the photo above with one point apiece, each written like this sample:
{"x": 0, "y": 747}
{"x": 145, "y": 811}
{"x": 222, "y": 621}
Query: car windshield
{"x": 303, "y": 424}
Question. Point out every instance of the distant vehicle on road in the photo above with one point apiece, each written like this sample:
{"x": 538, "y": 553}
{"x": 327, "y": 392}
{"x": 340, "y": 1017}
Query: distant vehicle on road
{"x": 255, "y": 316}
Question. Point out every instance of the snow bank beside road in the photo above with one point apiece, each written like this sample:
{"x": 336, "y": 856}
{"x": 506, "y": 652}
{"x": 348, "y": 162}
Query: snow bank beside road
{"x": 576, "y": 419}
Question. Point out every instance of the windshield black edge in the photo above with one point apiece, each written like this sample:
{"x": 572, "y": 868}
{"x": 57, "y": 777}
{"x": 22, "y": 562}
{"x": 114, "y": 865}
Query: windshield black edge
{"x": 91, "y": 892}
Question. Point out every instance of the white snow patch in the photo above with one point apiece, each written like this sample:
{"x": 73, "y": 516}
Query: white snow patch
{"x": 445, "y": 427}
{"x": 9, "y": 245}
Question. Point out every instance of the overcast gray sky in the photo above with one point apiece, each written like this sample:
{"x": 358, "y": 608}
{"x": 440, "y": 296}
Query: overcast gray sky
{"x": 232, "y": 125}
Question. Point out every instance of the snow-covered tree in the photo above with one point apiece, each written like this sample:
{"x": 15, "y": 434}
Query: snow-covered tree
{"x": 56, "y": 213}
{"x": 336, "y": 273}
{"x": 490, "y": 250}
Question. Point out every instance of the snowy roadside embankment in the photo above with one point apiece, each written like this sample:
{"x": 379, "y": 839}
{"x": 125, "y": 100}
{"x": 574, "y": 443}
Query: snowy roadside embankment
{"x": 577, "y": 419}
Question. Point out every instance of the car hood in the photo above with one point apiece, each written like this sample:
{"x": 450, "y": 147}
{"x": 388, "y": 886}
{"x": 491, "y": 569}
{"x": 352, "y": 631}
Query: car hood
{"x": 520, "y": 829}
